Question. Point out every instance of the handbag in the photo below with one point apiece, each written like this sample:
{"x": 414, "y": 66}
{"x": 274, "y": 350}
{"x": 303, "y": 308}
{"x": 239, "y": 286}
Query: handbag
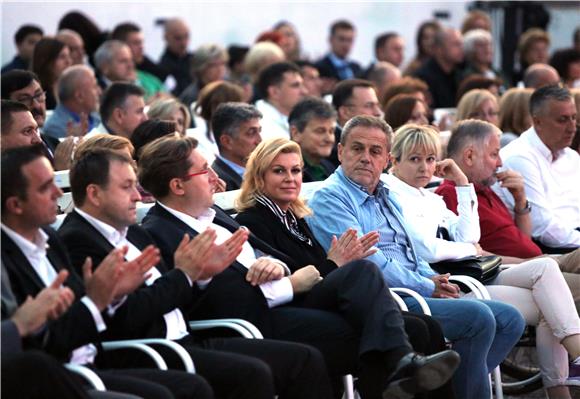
{"x": 482, "y": 268}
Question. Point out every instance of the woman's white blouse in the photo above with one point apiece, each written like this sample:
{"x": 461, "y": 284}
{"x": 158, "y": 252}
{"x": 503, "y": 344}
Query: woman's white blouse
{"x": 425, "y": 212}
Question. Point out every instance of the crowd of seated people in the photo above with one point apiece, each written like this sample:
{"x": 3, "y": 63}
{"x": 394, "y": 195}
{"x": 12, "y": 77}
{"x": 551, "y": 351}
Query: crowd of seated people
{"x": 314, "y": 276}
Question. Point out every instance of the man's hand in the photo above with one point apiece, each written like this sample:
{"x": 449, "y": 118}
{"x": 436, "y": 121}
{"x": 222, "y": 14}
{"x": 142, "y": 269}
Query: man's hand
{"x": 448, "y": 169}
{"x": 78, "y": 129}
{"x": 64, "y": 152}
{"x": 443, "y": 288}
{"x": 514, "y": 182}
{"x": 349, "y": 247}
{"x": 49, "y": 304}
{"x": 264, "y": 270}
{"x": 224, "y": 254}
{"x": 478, "y": 250}
{"x": 135, "y": 273}
{"x": 191, "y": 254}
{"x": 220, "y": 186}
{"x": 304, "y": 279}
{"x": 101, "y": 284}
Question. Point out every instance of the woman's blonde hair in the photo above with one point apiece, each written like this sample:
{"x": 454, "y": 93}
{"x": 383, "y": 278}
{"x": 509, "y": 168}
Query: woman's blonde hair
{"x": 103, "y": 140}
{"x": 470, "y": 102}
{"x": 164, "y": 109}
{"x": 410, "y": 137}
{"x": 257, "y": 166}
{"x": 514, "y": 110}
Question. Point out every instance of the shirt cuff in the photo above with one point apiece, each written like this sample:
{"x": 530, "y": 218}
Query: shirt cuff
{"x": 97, "y": 317}
{"x": 202, "y": 284}
{"x": 277, "y": 292}
{"x": 466, "y": 193}
{"x": 112, "y": 308}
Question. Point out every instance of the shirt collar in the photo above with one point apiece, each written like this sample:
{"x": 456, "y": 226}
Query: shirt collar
{"x": 29, "y": 248}
{"x": 199, "y": 224}
{"x": 235, "y": 167}
{"x": 539, "y": 145}
{"x": 393, "y": 181}
{"x": 337, "y": 61}
{"x": 359, "y": 192}
{"x": 114, "y": 236}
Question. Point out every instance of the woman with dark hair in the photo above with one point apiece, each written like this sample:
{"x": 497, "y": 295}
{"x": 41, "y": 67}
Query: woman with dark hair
{"x": 49, "y": 59}
{"x": 84, "y": 26}
{"x": 425, "y": 38}
{"x": 567, "y": 63}
{"x": 406, "y": 108}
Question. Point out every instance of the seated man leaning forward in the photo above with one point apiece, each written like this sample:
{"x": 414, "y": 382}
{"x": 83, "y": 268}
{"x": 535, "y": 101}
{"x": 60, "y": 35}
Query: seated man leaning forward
{"x": 357, "y": 327}
{"x": 482, "y": 332}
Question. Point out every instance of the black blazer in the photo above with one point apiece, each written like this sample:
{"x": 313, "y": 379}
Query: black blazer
{"x": 327, "y": 69}
{"x": 227, "y": 174}
{"x": 141, "y": 315}
{"x": 263, "y": 223}
{"x": 73, "y": 329}
{"x": 228, "y": 294}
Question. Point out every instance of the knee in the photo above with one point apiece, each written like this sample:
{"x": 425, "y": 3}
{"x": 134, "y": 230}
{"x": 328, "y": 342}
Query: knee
{"x": 509, "y": 320}
{"x": 257, "y": 372}
{"x": 363, "y": 268}
{"x": 480, "y": 318}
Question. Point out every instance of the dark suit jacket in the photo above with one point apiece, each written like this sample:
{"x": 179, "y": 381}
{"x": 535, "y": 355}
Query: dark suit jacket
{"x": 264, "y": 224}
{"x": 141, "y": 315}
{"x": 228, "y": 294}
{"x": 227, "y": 174}
{"x": 327, "y": 69}
{"x": 73, "y": 329}
{"x": 442, "y": 86}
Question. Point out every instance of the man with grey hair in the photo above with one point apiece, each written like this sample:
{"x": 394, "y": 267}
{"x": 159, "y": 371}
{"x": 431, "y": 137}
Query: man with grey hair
{"x": 551, "y": 169}
{"x": 540, "y": 75}
{"x": 312, "y": 123}
{"x": 176, "y": 59}
{"x": 478, "y": 50}
{"x": 441, "y": 71}
{"x": 381, "y": 74}
{"x": 78, "y": 94}
{"x": 483, "y": 332}
{"x": 236, "y": 128}
{"x": 114, "y": 63}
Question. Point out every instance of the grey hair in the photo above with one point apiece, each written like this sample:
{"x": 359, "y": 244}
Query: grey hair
{"x": 106, "y": 51}
{"x": 368, "y": 122}
{"x": 543, "y": 95}
{"x": 205, "y": 54}
{"x": 68, "y": 82}
{"x": 468, "y": 132}
{"x": 228, "y": 117}
{"x": 472, "y": 37}
{"x": 310, "y": 108}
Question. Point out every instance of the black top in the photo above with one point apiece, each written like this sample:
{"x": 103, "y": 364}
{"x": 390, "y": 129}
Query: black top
{"x": 265, "y": 225}
{"x": 179, "y": 68}
{"x": 442, "y": 86}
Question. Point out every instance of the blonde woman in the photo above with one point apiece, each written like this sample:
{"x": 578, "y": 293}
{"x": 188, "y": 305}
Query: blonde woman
{"x": 270, "y": 206}
{"x": 478, "y": 104}
{"x": 514, "y": 113}
{"x": 170, "y": 109}
{"x": 535, "y": 287}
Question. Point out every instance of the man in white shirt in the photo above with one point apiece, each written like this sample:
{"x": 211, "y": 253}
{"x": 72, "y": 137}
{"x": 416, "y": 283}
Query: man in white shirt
{"x": 104, "y": 188}
{"x": 281, "y": 87}
{"x": 550, "y": 169}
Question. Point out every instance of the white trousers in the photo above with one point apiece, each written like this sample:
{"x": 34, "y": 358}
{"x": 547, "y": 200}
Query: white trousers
{"x": 539, "y": 291}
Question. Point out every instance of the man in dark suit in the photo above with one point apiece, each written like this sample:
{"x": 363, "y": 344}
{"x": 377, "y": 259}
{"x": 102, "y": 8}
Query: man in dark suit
{"x": 103, "y": 185}
{"x": 371, "y": 335}
{"x": 335, "y": 66}
{"x": 236, "y": 128}
{"x": 34, "y": 257}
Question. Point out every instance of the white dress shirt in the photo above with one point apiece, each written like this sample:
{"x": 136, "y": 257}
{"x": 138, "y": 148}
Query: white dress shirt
{"x": 276, "y": 292}
{"x": 35, "y": 253}
{"x": 552, "y": 188}
{"x": 174, "y": 321}
{"x": 425, "y": 212}
{"x": 274, "y": 123}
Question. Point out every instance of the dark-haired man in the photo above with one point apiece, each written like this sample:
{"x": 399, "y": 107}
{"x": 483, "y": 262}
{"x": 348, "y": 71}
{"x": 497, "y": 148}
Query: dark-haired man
{"x": 18, "y": 128}
{"x": 25, "y": 39}
{"x": 281, "y": 86}
{"x": 104, "y": 188}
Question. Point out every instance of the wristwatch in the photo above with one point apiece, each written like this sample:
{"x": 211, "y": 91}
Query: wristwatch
{"x": 525, "y": 210}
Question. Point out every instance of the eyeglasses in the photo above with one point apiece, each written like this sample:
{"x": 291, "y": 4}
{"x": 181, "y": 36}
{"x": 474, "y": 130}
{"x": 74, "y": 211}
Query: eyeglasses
{"x": 203, "y": 172}
{"x": 28, "y": 100}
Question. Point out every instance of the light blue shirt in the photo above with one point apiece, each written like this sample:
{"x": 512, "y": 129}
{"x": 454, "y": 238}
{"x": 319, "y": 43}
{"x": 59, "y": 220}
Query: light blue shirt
{"x": 342, "y": 66}
{"x": 235, "y": 167}
{"x": 56, "y": 124}
{"x": 341, "y": 204}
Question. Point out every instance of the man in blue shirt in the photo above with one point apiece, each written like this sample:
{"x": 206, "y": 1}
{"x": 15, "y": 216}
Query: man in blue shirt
{"x": 483, "y": 332}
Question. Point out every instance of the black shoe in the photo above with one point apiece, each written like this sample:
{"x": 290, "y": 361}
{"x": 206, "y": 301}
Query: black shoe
{"x": 415, "y": 373}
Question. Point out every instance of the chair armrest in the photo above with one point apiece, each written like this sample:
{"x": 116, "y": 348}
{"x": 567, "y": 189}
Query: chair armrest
{"x": 422, "y": 303}
{"x": 138, "y": 345}
{"x": 399, "y": 301}
{"x": 179, "y": 350}
{"x": 89, "y": 375}
{"x": 242, "y": 327}
{"x": 478, "y": 289}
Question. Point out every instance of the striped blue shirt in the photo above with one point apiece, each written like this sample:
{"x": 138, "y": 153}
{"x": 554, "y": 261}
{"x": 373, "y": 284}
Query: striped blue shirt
{"x": 342, "y": 203}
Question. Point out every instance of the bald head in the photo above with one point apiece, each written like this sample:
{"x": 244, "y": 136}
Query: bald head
{"x": 382, "y": 74}
{"x": 448, "y": 47}
{"x": 540, "y": 75}
{"x": 75, "y": 43}
{"x": 78, "y": 89}
{"x": 176, "y": 36}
